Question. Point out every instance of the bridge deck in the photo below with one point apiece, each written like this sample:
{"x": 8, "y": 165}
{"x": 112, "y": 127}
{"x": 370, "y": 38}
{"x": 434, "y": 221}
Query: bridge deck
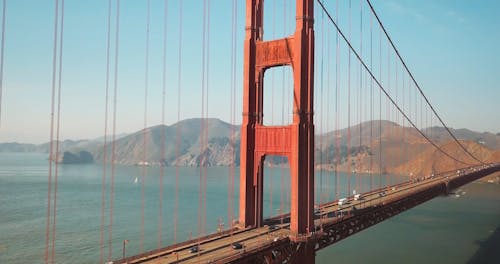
{"x": 217, "y": 248}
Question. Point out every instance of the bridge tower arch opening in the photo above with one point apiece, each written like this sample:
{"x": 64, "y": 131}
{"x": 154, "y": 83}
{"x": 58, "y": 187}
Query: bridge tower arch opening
{"x": 276, "y": 184}
{"x": 278, "y": 96}
{"x": 296, "y": 140}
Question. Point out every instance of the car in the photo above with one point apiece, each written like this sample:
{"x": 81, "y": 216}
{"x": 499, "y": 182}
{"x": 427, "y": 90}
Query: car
{"x": 194, "y": 249}
{"x": 273, "y": 227}
{"x": 236, "y": 245}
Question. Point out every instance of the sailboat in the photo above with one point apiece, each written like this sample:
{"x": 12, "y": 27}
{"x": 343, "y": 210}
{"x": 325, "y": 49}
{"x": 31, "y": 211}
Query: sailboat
{"x": 136, "y": 180}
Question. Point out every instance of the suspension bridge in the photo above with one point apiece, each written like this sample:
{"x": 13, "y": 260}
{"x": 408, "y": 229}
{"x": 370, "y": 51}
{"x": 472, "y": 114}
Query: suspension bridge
{"x": 326, "y": 94}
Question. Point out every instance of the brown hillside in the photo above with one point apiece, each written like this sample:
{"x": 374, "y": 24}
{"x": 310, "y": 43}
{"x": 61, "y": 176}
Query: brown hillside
{"x": 434, "y": 161}
{"x": 495, "y": 157}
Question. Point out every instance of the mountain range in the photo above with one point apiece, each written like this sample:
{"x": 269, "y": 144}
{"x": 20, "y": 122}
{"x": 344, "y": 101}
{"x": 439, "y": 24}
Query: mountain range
{"x": 403, "y": 148}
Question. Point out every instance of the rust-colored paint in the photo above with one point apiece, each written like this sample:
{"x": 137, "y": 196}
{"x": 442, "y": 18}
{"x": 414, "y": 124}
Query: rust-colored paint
{"x": 274, "y": 53}
{"x": 296, "y": 141}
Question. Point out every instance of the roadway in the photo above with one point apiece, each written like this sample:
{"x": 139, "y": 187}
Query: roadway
{"x": 220, "y": 247}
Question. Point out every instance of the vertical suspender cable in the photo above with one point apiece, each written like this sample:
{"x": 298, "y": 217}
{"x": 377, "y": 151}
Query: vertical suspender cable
{"x": 371, "y": 104}
{"x": 417, "y": 119}
{"x": 2, "y": 48}
{"x": 234, "y": 103}
{"x": 163, "y": 97}
{"x": 430, "y": 126}
{"x": 328, "y": 87}
{"x": 113, "y": 147}
{"x": 349, "y": 111}
{"x": 337, "y": 93}
{"x": 403, "y": 143}
{"x": 105, "y": 142}
{"x": 410, "y": 108}
{"x": 389, "y": 114}
{"x": 433, "y": 134}
{"x": 396, "y": 115}
{"x": 202, "y": 125}
{"x": 419, "y": 123}
{"x": 282, "y": 169}
{"x": 422, "y": 126}
{"x": 51, "y": 147}
{"x": 387, "y": 109}
{"x": 426, "y": 126}
{"x": 412, "y": 105}
{"x": 144, "y": 131}
{"x": 285, "y": 82}
{"x": 178, "y": 139}
{"x": 284, "y": 99}
{"x": 231, "y": 131}
{"x": 359, "y": 181}
{"x": 235, "y": 27}
{"x": 58, "y": 124}
{"x": 321, "y": 109}
{"x": 232, "y": 111}
{"x": 273, "y": 87}
{"x": 206, "y": 119}
{"x": 380, "y": 118}
{"x": 290, "y": 94}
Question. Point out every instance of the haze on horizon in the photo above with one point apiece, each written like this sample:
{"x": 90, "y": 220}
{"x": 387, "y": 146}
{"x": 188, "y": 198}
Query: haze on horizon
{"x": 451, "y": 47}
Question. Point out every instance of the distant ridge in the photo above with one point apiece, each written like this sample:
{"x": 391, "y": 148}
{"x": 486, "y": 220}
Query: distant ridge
{"x": 399, "y": 153}
{"x": 130, "y": 149}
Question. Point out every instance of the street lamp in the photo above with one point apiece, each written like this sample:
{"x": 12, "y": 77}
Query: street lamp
{"x": 125, "y": 242}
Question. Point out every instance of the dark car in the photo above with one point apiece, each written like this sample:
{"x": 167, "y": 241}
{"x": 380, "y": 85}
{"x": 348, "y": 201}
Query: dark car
{"x": 237, "y": 245}
{"x": 273, "y": 227}
{"x": 194, "y": 249}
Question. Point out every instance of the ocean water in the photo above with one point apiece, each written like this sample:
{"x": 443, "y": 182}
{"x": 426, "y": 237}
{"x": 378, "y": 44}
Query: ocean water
{"x": 444, "y": 230}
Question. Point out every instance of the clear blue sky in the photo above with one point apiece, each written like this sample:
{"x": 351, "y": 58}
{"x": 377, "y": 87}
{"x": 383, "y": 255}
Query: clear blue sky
{"x": 450, "y": 46}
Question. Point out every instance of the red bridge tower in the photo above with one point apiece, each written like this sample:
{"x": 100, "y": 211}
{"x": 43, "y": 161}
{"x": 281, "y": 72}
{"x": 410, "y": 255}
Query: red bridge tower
{"x": 295, "y": 141}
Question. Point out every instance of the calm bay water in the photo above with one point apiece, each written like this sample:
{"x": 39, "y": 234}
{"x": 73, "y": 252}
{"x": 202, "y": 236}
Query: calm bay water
{"x": 444, "y": 230}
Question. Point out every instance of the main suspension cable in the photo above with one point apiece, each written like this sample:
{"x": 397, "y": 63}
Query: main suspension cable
{"x": 418, "y": 86}
{"x": 351, "y": 48}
